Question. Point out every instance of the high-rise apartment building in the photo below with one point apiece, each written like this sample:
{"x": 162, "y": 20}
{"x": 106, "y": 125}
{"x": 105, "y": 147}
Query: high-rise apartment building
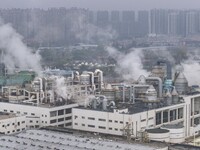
{"x": 191, "y": 23}
{"x": 143, "y": 23}
{"x": 173, "y": 23}
{"x": 115, "y": 20}
{"x": 182, "y": 23}
{"x": 60, "y": 26}
{"x": 102, "y": 18}
{"x": 159, "y": 21}
{"x": 128, "y": 25}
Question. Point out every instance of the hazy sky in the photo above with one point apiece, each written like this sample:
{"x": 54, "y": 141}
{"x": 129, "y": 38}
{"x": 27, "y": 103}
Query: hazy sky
{"x": 103, "y": 4}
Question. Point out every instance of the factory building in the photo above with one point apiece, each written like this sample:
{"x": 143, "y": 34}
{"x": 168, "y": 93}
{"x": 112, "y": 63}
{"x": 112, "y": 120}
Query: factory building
{"x": 41, "y": 115}
{"x": 134, "y": 120}
{"x": 156, "y": 108}
{"x": 48, "y": 100}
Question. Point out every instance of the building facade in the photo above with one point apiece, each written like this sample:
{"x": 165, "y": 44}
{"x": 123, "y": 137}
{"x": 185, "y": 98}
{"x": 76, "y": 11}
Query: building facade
{"x": 43, "y": 115}
{"x": 119, "y": 121}
{"x": 11, "y": 123}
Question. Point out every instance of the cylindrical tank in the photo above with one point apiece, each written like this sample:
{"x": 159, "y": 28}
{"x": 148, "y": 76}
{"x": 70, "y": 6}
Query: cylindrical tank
{"x": 181, "y": 83}
{"x": 76, "y": 76}
{"x": 99, "y": 73}
{"x": 151, "y": 94}
{"x": 50, "y": 96}
{"x": 168, "y": 83}
{"x": 153, "y": 80}
{"x": 109, "y": 92}
{"x": 94, "y": 103}
{"x": 177, "y": 133}
{"x": 85, "y": 78}
{"x": 175, "y": 97}
{"x": 88, "y": 101}
{"x": 158, "y": 134}
{"x": 104, "y": 104}
{"x": 168, "y": 97}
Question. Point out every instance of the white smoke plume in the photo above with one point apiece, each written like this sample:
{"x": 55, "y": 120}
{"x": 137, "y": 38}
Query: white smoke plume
{"x": 128, "y": 65}
{"x": 15, "y": 52}
{"x": 191, "y": 66}
{"x": 191, "y": 70}
{"x": 60, "y": 87}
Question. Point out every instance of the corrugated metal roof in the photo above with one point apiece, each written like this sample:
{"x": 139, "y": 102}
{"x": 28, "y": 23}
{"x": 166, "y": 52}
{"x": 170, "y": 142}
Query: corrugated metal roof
{"x": 42, "y": 139}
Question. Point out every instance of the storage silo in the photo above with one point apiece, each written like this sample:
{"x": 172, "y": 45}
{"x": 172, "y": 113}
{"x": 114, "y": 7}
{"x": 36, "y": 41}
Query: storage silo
{"x": 157, "y": 134}
{"x": 168, "y": 97}
{"x": 109, "y": 92}
{"x": 175, "y": 97}
{"x": 85, "y": 78}
{"x": 180, "y": 83}
{"x": 177, "y": 132}
{"x": 151, "y": 94}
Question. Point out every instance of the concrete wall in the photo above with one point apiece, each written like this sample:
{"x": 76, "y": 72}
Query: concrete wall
{"x": 162, "y": 137}
{"x": 115, "y": 122}
{"x": 39, "y": 116}
{"x": 13, "y": 125}
{"x": 111, "y": 123}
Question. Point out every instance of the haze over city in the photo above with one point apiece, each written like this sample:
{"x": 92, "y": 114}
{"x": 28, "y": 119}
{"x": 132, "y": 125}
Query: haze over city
{"x": 100, "y": 74}
{"x": 103, "y": 4}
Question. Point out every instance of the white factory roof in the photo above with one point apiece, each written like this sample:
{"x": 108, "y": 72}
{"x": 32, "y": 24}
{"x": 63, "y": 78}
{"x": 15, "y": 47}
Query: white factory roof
{"x": 43, "y": 139}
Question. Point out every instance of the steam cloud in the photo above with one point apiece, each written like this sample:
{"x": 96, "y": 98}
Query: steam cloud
{"x": 191, "y": 69}
{"x": 15, "y": 52}
{"x": 60, "y": 87}
{"x": 128, "y": 65}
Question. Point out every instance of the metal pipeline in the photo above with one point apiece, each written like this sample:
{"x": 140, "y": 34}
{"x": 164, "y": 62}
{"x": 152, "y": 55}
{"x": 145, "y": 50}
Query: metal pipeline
{"x": 92, "y": 80}
{"x": 132, "y": 91}
{"x": 101, "y": 76}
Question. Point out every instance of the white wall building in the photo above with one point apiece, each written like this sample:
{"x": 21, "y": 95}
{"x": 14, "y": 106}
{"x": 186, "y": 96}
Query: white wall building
{"x": 11, "y": 123}
{"x": 117, "y": 122}
{"x": 41, "y": 115}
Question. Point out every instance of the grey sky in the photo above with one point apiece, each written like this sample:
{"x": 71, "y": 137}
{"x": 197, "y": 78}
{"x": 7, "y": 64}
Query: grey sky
{"x": 103, "y": 4}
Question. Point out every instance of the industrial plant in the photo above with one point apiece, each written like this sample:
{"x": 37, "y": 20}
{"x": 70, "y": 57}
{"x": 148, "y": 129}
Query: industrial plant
{"x": 158, "y": 107}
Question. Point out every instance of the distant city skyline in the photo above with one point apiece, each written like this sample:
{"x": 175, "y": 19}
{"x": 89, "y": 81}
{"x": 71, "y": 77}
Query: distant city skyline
{"x": 71, "y": 26}
{"x": 103, "y": 4}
